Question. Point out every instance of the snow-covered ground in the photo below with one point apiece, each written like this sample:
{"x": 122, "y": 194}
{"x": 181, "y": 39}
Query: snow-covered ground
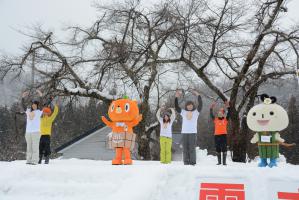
{"x": 145, "y": 180}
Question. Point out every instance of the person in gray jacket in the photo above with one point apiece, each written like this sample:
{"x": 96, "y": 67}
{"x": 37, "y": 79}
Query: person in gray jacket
{"x": 189, "y": 126}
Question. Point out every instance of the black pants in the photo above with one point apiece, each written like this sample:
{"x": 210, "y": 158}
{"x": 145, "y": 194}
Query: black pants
{"x": 189, "y": 145}
{"x": 44, "y": 145}
{"x": 221, "y": 143}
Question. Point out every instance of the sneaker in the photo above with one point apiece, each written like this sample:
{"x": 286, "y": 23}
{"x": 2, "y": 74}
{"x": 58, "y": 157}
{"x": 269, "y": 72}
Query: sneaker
{"x": 32, "y": 163}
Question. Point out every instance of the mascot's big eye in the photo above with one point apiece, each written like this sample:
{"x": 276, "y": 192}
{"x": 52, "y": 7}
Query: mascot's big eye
{"x": 127, "y": 107}
{"x": 254, "y": 114}
{"x": 112, "y": 107}
{"x": 271, "y": 113}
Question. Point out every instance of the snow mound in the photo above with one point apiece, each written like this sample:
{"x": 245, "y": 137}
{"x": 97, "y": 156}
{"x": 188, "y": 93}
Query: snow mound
{"x": 76, "y": 179}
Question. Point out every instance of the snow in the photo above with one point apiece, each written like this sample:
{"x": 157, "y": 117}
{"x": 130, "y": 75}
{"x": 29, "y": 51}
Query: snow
{"x": 83, "y": 91}
{"x": 151, "y": 126}
{"x": 75, "y": 179}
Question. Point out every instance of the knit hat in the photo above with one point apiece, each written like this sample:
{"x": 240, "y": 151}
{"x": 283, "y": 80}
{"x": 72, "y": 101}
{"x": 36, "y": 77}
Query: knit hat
{"x": 166, "y": 113}
{"x": 47, "y": 110}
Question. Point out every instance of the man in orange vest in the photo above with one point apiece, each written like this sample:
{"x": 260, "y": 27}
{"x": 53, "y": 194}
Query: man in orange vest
{"x": 221, "y": 122}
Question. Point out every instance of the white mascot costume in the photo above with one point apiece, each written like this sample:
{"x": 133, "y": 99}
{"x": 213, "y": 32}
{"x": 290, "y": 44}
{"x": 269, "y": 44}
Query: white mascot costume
{"x": 267, "y": 120}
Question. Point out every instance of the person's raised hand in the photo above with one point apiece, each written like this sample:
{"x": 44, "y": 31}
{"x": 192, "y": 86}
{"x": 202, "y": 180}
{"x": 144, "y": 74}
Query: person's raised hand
{"x": 227, "y": 104}
{"x": 213, "y": 105}
{"x": 25, "y": 94}
{"x": 178, "y": 93}
{"x": 39, "y": 92}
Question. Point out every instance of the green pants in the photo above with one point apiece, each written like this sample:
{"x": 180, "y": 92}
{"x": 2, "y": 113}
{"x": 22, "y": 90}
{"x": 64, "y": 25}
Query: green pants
{"x": 269, "y": 151}
{"x": 165, "y": 149}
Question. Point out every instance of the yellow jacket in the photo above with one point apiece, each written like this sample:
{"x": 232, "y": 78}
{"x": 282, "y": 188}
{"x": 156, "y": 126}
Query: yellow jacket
{"x": 46, "y": 122}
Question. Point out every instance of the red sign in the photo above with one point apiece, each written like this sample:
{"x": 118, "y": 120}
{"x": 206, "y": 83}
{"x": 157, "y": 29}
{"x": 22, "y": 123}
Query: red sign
{"x": 288, "y": 196}
{"x": 221, "y": 191}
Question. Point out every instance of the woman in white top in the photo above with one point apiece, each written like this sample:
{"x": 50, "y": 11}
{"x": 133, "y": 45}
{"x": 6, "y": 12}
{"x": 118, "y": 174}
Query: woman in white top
{"x": 32, "y": 135}
{"x": 166, "y": 134}
{"x": 189, "y": 126}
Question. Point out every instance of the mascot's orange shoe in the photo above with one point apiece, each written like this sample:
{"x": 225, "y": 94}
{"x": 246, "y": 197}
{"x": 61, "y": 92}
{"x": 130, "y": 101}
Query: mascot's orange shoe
{"x": 128, "y": 160}
{"x": 117, "y": 162}
{"x": 118, "y": 157}
{"x": 124, "y": 115}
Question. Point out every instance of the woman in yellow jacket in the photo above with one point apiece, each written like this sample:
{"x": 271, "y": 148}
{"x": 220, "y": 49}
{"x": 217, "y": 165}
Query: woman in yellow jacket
{"x": 46, "y": 129}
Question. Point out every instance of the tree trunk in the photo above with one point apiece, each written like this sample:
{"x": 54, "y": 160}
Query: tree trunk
{"x": 237, "y": 140}
{"x": 143, "y": 142}
{"x": 250, "y": 149}
{"x": 142, "y": 137}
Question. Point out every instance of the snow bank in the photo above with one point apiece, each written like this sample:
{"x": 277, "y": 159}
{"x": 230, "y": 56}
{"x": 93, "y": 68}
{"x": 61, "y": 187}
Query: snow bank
{"x": 75, "y": 179}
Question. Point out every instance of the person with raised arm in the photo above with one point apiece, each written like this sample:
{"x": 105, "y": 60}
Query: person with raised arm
{"x": 166, "y": 122}
{"x": 32, "y": 135}
{"x": 220, "y": 132}
{"x": 46, "y": 129}
{"x": 190, "y": 116}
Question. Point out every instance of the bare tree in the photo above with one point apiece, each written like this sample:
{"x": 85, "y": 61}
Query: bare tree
{"x": 120, "y": 50}
{"x": 129, "y": 46}
{"x": 248, "y": 50}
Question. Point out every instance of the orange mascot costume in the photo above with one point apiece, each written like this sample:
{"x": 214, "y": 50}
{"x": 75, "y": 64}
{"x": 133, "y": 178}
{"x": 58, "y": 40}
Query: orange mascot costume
{"x": 124, "y": 115}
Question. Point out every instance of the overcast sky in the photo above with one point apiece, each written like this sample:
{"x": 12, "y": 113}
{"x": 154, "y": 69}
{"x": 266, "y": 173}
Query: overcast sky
{"x": 52, "y": 14}
{"x": 55, "y": 14}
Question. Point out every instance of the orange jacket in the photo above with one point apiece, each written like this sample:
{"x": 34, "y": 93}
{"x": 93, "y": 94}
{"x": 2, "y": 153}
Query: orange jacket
{"x": 220, "y": 126}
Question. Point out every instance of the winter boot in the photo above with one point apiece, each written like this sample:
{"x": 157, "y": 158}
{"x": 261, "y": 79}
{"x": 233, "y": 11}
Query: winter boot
{"x": 263, "y": 162}
{"x": 186, "y": 163}
{"x": 219, "y": 158}
{"x": 272, "y": 163}
{"x": 40, "y": 159}
{"x": 47, "y": 159}
{"x": 224, "y": 158}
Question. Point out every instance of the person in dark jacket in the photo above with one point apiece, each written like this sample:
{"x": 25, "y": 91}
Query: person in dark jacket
{"x": 221, "y": 123}
{"x": 189, "y": 126}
